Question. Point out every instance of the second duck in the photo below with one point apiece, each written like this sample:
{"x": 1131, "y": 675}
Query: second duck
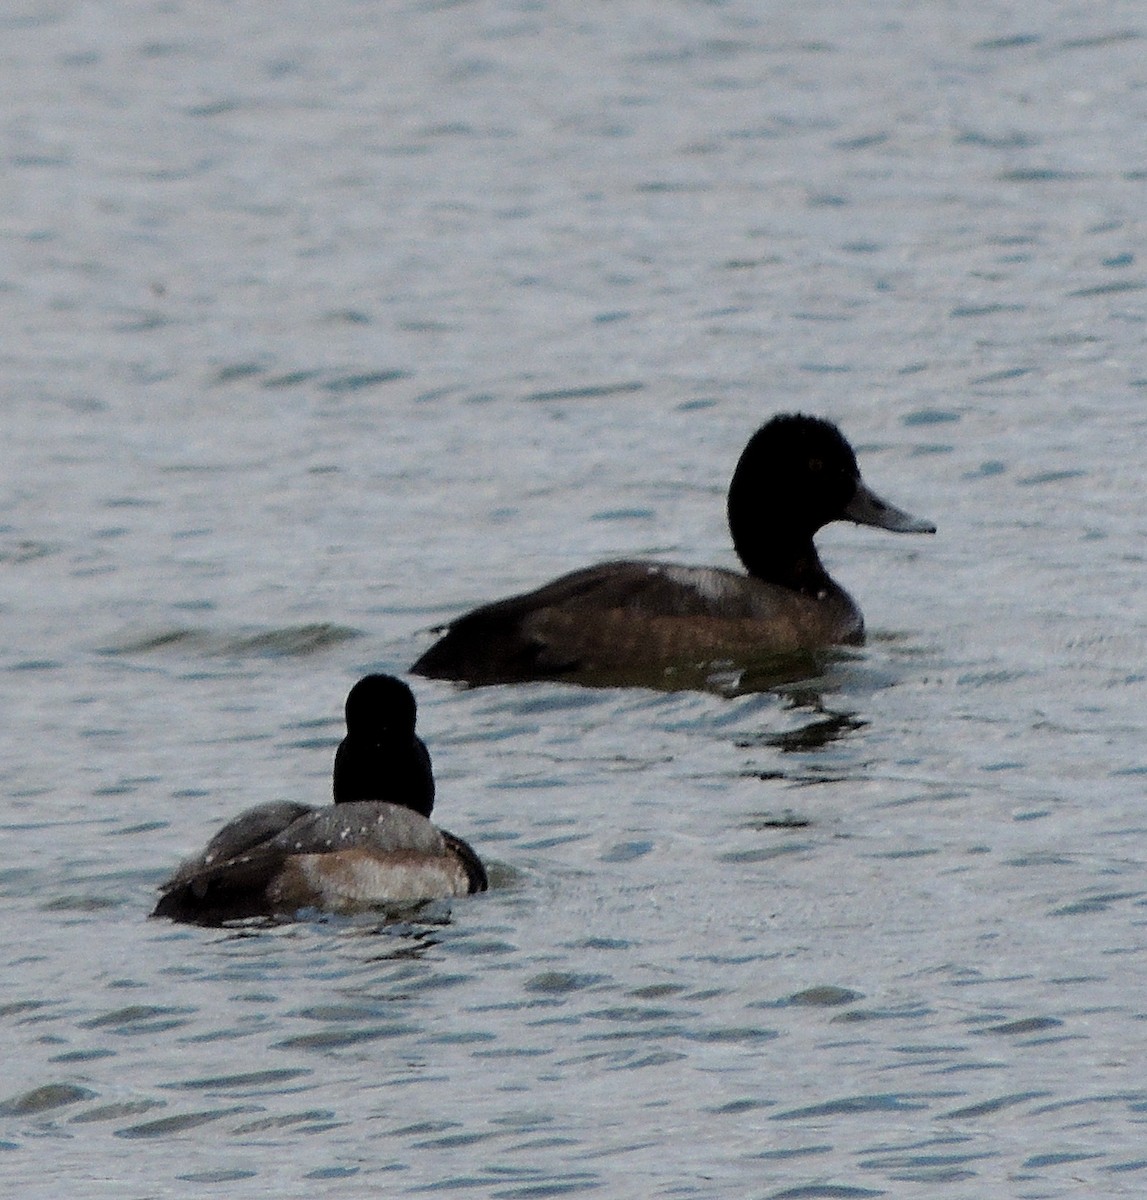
{"x": 631, "y": 618}
{"x": 374, "y": 846}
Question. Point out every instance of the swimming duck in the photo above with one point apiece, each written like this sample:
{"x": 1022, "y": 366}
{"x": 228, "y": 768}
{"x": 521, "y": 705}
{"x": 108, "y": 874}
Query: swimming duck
{"x": 374, "y": 845}
{"x": 796, "y": 474}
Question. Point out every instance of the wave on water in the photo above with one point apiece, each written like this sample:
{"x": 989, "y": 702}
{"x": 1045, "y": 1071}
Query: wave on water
{"x": 289, "y": 641}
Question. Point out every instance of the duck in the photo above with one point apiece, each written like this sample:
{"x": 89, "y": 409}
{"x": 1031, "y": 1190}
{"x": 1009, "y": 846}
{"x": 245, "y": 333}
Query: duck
{"x": 636, "y": 618}
{"x": 374, "y": 846}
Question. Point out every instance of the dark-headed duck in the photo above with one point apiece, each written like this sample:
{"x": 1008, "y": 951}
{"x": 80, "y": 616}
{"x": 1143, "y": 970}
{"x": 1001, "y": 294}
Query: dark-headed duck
{"x": 375, "y": 845}
{"x": 615, "y": 619}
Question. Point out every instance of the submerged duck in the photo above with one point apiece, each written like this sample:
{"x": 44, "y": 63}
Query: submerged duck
{"x": 619, "y": 619}
{"x": 374, "y": 845}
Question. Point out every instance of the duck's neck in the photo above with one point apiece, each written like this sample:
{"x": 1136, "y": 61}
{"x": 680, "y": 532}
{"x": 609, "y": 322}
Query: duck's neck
{"x": 785, "y": 559}
{"x": 396, "y": 773}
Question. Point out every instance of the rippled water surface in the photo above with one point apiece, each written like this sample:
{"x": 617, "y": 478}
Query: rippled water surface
{"x": 323, "y": 323}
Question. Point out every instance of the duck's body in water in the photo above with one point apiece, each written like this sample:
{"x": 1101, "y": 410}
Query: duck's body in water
{"x": 374, "y": 846}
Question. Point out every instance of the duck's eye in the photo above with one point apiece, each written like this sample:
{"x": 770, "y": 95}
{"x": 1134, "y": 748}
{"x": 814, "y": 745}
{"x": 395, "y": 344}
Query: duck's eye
{"x": 816, "y": 464}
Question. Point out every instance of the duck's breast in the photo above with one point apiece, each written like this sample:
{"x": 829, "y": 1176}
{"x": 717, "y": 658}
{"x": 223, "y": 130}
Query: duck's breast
{"x": 349, "y": 880}
{"x": 368, "y": 852}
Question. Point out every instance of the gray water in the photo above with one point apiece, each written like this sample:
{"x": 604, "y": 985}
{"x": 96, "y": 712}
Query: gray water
{"x": 323, "y": 322}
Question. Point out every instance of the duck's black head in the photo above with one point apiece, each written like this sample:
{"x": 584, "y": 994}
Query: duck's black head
{"x": 380, "y": 705}
{"x": 381, "y": 757}
{"x": 796, "y": 475}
